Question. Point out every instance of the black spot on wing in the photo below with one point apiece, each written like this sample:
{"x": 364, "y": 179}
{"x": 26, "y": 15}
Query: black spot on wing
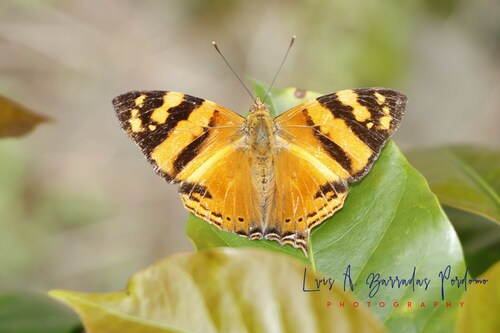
{"x": 331, "y": 187}
{"x": 214, "y": 221}
{"x": 217, "y": 215}
{"x": 190, "y": 188}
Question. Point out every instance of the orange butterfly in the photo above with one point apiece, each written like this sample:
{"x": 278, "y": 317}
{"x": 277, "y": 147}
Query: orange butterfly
{"x": 260, "y": 177}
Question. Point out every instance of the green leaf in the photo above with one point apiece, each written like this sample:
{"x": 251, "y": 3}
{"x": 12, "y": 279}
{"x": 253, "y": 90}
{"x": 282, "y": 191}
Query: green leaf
{"x": 206, "y": 236}
{"x": 220, "y": 291}
{"x": 16, "y": 120}
{"x": 463, "y": 177}
{"x": 481, "y": 304}
{"x": 466, "y": 180}
{"x": 390, "y": 224}
{"x": 26, "y": 313}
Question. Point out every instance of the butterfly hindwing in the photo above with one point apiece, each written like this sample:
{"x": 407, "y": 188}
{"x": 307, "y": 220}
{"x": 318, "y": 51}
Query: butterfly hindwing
{"x": 221, "y": 191}
{"x": 306, "y": 193}
{"x": 176, "y": 132}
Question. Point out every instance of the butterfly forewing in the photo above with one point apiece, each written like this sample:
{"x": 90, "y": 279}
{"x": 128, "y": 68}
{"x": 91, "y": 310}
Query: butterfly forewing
{"x": 345, "y": 130}
{"x": 176, "y": 132}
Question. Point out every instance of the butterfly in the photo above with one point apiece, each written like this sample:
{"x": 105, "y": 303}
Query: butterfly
{"x": 260, "y": 177}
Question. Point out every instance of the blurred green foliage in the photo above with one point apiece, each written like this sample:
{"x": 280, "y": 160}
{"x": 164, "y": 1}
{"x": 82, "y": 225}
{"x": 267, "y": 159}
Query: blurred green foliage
{"x": 30, "y": 313}
{"x": 30, "y": 213}
{"x": 480, "y": 239}
{"x": 466, "y": 180}
{"x": 443, "y": 8}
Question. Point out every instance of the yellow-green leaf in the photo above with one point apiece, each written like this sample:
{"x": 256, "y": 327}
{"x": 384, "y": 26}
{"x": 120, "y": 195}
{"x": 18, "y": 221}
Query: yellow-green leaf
{"x": 481, "y": 309}
{"x": 16, "y": 120}
{"x": 223, "y": 290}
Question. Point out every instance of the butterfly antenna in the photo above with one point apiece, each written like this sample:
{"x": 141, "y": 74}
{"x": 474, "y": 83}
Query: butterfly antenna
{"x": 279, "y": 69}
{"x": 232, "y": 70}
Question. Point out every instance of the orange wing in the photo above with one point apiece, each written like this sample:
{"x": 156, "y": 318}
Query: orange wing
{"x": 323, "y": 144}
{"x": 196, "y": 143}
{"x": 176, "y": 132}
{"x": 306, "y": 193}
{"x": 345, "y": 130}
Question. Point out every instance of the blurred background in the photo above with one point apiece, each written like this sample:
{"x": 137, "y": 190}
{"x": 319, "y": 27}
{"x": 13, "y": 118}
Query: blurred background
{"x": 80, "y": 207}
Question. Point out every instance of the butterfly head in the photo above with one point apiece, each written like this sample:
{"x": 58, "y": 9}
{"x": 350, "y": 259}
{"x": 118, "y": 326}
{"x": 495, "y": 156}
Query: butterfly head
{"x": 259, "y": 107}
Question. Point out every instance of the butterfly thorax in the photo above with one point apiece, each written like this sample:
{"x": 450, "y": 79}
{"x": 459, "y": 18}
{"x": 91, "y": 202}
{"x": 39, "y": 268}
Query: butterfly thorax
{"x": 261, "y": 142}
{"x": 260, "y": 130}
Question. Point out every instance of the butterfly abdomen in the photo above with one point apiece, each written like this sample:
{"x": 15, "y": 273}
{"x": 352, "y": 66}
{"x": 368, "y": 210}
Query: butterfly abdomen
{"x": 261, "y": 142}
